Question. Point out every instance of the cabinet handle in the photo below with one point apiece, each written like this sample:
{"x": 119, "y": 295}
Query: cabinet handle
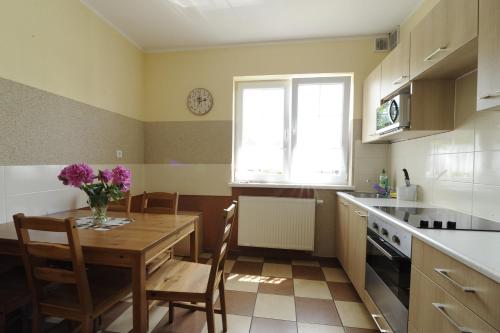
{"x": 430, "y": 56}
{"x": 441, "y": 308}
{"x": 360, "y": 214}
{"x": 380, "y": 329}
{"x": 343, "y": 203}
{"x": 400, "y": 79}
{"x": 493, "y": 95}
{"x": 444, "y": 273}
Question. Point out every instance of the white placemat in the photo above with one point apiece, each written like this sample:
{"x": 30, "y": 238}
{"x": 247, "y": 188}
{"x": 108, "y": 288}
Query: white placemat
{"x": 87, "y": 222}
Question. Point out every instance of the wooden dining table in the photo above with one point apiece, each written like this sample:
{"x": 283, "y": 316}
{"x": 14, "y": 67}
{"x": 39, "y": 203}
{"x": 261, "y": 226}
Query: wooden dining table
{"x": 131, "y": 246}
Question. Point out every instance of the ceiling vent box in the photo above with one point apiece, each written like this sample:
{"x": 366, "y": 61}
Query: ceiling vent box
{"x": 387, "y": 42}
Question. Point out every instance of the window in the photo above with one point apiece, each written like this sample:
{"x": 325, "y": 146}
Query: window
{"x": 292, "y": 131}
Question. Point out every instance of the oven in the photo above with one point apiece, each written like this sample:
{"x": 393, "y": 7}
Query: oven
{"x": 388, "y": 271}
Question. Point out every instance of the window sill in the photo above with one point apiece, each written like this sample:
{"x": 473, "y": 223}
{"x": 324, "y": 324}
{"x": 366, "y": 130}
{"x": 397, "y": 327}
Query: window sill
{"x": 305, "y": 186}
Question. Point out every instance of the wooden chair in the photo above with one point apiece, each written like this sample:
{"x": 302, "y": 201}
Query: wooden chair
{"x": 172, "y": 199}
{"x": 122, "y": 205}
{"x": 184, "y": 284}
{"x": 14, "y": 295}
{"x": 73, "y": 292}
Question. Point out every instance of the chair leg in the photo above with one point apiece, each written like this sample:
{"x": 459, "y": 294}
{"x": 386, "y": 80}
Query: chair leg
{"x": 36, "y": 321}
{"x": 170, "y": 312}
{"x": 2, "y": 322}
{"x": 87, "y": 325}
{"x": 210, "y": 317}
{"x": 222, "y": 298}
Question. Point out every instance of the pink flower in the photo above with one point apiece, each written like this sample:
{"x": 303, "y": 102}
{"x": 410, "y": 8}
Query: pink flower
{"x": 105, "y": 175}
{"x": 122, "y": 177}
{"x": 76, "y": 175}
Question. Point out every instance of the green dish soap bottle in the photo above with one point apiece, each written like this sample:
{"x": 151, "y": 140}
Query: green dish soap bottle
{"x": 384, "y": 181}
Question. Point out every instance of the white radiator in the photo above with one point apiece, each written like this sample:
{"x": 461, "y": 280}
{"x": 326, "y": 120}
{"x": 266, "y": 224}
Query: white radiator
{"x": 279, "y": 223}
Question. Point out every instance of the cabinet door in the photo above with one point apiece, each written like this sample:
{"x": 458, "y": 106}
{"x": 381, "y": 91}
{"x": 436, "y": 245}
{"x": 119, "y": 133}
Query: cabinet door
{"x": 447, "y": 27}
{"x": 488, "y": 73}
{"x": 342, "y": 232}
{"x": 434, "y": 310}
{"x": 357, "y": 248}
{"x": 396, "y": 69}
{"x": 371, "y": 100}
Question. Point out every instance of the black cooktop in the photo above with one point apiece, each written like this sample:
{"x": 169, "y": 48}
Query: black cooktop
{"x": 440, "y": 218}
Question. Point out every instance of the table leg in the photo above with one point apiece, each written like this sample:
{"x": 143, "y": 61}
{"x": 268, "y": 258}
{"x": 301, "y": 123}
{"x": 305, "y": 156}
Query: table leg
{"x": 139, "y": 301}
{"x": 193, "y": 242}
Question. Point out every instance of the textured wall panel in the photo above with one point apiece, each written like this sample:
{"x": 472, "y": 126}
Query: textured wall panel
{"x": 38, "y": 127}
{"x": 193, "y": 142}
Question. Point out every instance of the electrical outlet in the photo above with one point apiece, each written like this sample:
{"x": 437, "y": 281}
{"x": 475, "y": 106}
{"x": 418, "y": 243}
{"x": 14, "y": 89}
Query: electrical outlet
{"x": 119, "y": 154}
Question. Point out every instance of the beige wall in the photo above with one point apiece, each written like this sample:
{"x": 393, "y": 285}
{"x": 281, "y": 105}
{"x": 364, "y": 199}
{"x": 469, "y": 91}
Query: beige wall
{"x": 61, "y": 47}
{"x": 191, "y": 154}
{"x": 457, "y": 169}
{"x": 170, "y": 76}
{"x": 412, "y": 20}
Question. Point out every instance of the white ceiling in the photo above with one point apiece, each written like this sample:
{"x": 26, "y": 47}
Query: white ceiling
{"x": 156, "y": 25}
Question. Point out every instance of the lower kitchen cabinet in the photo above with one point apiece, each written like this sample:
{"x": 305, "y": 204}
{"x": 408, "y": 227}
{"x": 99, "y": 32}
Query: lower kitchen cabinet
{"x": 357, "y": 247}
{"x": 432, "y": 309}
{"x": 342, "y": 231}
{"x": 350, "y": 242}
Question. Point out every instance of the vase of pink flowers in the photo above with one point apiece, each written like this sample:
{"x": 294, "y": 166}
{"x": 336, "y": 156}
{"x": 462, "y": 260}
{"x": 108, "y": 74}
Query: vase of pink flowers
{"x": 101, "y": 188}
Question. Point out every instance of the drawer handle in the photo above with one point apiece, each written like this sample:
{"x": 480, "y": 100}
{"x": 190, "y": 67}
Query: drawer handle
{"x": 400, "y": 79}
{"x": 444, "y": 273}
{"x": 380, "y": 329}
{"x": 442, "y": 309}
{"x": 360, "y": 214}
{"x": 493, "y": 95}
{"x": 430, "y": 56}
{"x": 344, "y": 204}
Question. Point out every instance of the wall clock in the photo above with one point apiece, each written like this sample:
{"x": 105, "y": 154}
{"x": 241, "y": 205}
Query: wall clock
{"x": 200, "y": 101}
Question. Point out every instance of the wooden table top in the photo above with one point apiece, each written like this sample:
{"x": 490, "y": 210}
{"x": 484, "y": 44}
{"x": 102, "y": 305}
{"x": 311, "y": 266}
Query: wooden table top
{"x": 145, "y": 231}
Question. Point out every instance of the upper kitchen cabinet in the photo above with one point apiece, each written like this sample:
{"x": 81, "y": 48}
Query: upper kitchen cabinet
{"x": 488, "y": 74}
{"x": 371, "y": 101}
{"x": 444, "y": 43}
{"x": 396, "y": 69}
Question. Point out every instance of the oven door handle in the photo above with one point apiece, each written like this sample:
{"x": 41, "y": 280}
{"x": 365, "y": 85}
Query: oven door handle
{"x": 381, "y": 249}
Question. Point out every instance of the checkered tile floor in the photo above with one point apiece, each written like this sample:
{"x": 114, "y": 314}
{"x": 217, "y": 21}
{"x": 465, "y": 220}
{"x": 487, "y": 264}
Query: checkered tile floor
{"x": 269, "y": 295}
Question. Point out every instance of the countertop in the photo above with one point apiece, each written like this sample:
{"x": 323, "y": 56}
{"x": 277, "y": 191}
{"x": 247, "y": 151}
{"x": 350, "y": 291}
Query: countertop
{"x": 479, "y": 250}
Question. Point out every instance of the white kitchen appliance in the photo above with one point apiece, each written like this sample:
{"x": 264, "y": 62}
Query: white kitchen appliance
{"x": 394, "y": 114}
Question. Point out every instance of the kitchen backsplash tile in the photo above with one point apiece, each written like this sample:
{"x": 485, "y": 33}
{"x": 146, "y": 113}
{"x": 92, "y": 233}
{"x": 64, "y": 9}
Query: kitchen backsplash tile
{"x": 487, "y": 126}
{"x": 485, "y": 201}
{"x": 454, "y": 167}
{"x": 458, "y": 169}
{"x": 454, "y": 195}
{"x": 461, "y": 140}
{"x": 487, "y": 168}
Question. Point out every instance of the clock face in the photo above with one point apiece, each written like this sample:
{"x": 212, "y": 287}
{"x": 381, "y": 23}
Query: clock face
{"x": 199, "y": 101}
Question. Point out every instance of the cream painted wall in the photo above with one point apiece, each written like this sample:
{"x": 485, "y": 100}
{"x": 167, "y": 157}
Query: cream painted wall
{"x": 62, "y": 47}
{"x": 170, "y": 76}
{"x": 412, "y": 20}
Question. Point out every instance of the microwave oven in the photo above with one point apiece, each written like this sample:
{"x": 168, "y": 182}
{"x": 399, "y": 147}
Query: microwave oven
{"x": 394, "y": 114}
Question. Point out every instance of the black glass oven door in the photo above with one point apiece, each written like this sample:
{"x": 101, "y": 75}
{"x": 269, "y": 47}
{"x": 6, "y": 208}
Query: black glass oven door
{"x": 391, "y": 266}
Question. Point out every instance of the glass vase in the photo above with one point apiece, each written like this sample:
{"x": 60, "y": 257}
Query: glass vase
{"x": 99, "y": 214}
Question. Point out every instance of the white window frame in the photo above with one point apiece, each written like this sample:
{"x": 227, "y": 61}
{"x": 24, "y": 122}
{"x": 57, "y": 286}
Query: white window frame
{"x": 290, "y": 84}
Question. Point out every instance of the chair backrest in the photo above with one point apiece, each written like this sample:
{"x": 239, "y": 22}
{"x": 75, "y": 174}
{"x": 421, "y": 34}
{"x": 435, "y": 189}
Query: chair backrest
{"x": 172, "y": 199}
{"x": 122, "y": 205}
{"x": 220, "y": 253}
{"x": 36, "y": 256}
